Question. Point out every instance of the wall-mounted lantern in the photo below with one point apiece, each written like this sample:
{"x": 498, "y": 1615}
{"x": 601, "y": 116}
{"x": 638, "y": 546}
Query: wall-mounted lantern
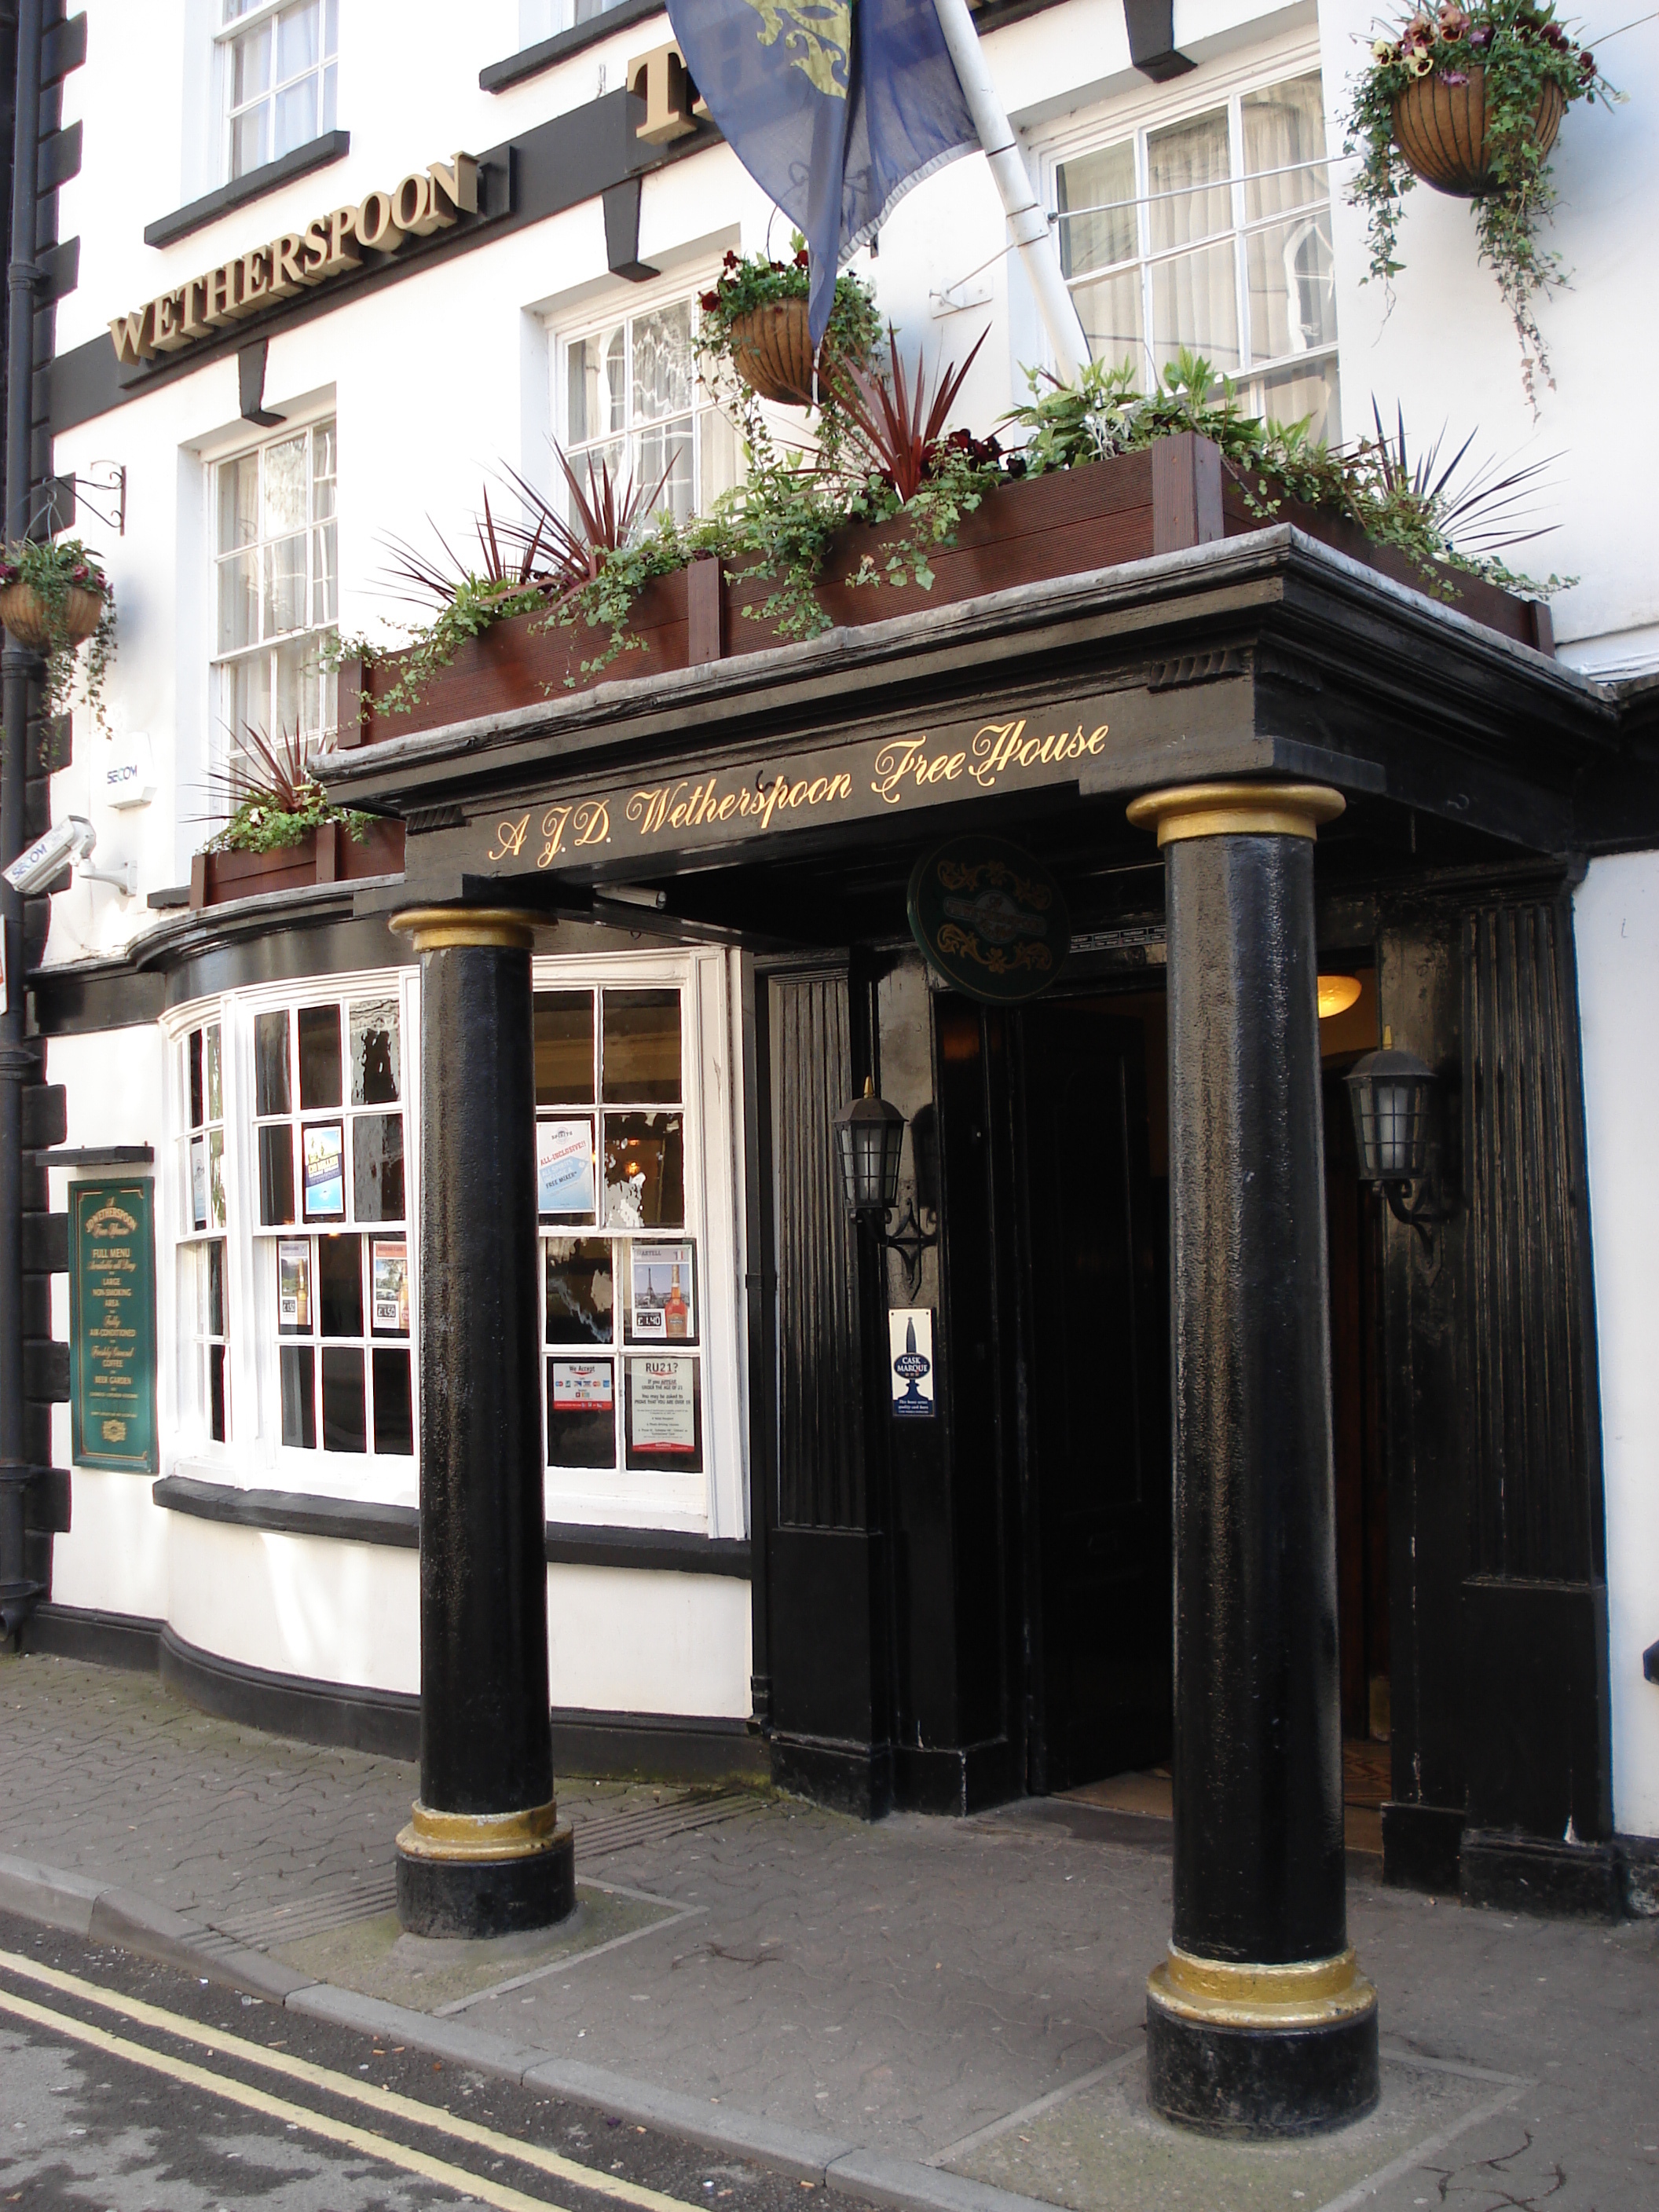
{"x": 1396, "y": 1100}
{"x": 869, "y": 1143}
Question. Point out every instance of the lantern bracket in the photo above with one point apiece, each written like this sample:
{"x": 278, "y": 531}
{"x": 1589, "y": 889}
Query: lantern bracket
{"x": 1425, "y": 1215}
{"x": 909, "y": 1240}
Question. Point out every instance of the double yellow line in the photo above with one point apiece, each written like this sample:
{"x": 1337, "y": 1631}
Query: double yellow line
{"x": 363, "y": 2141}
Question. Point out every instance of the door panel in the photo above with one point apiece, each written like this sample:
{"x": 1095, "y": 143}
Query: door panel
{"x": 1097, "y": 1411}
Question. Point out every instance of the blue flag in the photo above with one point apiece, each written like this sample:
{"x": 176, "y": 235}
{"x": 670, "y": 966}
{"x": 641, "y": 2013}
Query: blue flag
{"x": 835, "y": 109}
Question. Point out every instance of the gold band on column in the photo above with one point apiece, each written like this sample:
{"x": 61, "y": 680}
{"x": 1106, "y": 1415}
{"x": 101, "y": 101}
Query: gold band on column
{"x": 436, "y": 928}
{"x": 1314, "y": 1993}
{"x": 1236, "y": 810}
{"x": 434, "y": 1835}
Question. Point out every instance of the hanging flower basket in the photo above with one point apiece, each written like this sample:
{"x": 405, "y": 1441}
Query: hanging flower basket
{"x": 27, "y": 615}
{"x": 1441, "y": 128}
{"x": 772, "y": 352}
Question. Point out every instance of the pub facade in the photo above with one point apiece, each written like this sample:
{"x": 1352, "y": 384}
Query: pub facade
{"x": 894, "y": 1505}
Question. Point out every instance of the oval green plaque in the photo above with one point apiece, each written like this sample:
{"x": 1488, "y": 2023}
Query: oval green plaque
{"x": 990, "y": 919}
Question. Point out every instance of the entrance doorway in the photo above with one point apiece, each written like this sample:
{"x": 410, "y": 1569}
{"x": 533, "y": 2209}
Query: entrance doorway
{"x": 1094, "y": 1416}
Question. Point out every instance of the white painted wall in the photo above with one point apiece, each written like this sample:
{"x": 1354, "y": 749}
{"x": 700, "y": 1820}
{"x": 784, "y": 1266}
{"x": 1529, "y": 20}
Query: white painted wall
{"x": 1616, "y": 919}
{"x": 623, "y": 1640}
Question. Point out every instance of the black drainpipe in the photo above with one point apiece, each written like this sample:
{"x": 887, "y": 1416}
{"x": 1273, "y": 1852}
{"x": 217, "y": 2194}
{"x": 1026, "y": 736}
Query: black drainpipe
{"x": 18, "y": 669}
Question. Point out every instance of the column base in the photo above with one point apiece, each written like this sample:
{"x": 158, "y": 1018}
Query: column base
{"x": 485, "y": 1874}
{"x": 1261, "y": 2052}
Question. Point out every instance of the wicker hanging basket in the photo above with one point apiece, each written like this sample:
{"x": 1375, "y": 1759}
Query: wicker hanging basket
{"x": 24, "y": 613}
{"x": 772, "y": 352}
{"x": 1441, "y": 130}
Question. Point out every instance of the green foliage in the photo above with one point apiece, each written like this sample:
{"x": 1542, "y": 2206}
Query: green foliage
{"x": 275, "y": 799}
{"x": 1520, "y": 49}
{"x": 1373, "y": 483}
{"x": 51, "y": 570}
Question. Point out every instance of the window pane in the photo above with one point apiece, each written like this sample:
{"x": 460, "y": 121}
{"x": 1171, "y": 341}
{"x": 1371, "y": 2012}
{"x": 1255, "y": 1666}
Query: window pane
{"x": 216, "y": 1288}
{"x": 323, "y": 471}
{"x": 239, "y": 502}
{"x": 284, "y": 568}
{"x": 1313, "y": 392}
{"x": 1110, "y": 313}
{"x": 325, "y": 575}
{"x": 1195, "y": 304}
{"x": 642, "y": 1047}
{"x": 296, "y": 40}
{"x": 1292, "y": 287}
{"x": 377, "y": 1179}
{"x": 1284, "y": 125}
{"x": 340, "y": 1285}
{"x": 344, "y": 1426}
{"x": 330, "y": 111}
{"x": 284, "y": 505}
{"x": 581, "y": 1290}
{"x": 394, "y": 1416}
{"x": 217, "y": 1427}
{"x": 662, "y": 468}
{"x": 250, "y": 65}
{"x": 596, "y": 387}
{"x": 1104, "y": 185}
{"x": 296, "y": 117}
{"x": 663, "y": 379}
{"x": 215, "y": 1092}
{"x": 296, "y": 1366}
{"x": 1187, "y": 173}
{"x": 277, "y": 1176}
{"x": 297, "y": 704}
{"x": 564, "y": 1048}
{"x": 644, "y": 1171}
{"x": 194, "y": 1059}
{"x": 319, "y": 1056}
{"x": 217, "y": 1177}
{"x": 664, "y": 1411}
{"x": 388, "y": 1288}
{"x": 199, "y": 1182}
{"x": 376, "y": 1074}
{"x": 248, "y": 141}
{"x": 581, "y": 1413}
{"x": 238, "y": 602}
{"x": 245, "y": 701}
{"x": 270, "y": 1087}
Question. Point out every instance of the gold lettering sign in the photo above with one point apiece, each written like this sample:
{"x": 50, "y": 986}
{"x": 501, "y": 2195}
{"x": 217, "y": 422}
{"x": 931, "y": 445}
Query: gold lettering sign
{"x": 866, "y": 779}
{"x": 327, "y": 248}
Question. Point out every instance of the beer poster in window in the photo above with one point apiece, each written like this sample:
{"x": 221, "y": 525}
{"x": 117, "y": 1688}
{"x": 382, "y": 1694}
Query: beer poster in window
{"x": 389, "y": 1287}
{"x": 662, "y": 1294}
{"x": 294, "y": 1283}
{"x": 324, "y": 1145}
{"x": 112, "y": 1325}
{"x": 662, "y": 1405}
{"x": 564, "y": 1170}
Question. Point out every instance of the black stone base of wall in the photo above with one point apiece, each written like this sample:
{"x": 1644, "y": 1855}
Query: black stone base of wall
{"x": 1431, "y": 1848}
{"x": 644, "y": 1746}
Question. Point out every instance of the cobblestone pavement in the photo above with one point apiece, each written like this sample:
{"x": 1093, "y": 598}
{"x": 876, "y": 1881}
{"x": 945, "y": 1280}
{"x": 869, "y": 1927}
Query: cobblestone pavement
{"x": 907, "y": 1985}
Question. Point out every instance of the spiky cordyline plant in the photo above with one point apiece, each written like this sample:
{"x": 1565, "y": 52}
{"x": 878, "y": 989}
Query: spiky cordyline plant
{"x": 901, "y": 426}
{"x": 273, "y": 798}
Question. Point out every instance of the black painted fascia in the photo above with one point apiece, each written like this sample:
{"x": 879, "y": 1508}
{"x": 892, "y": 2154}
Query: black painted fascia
{"x": 315, "y": 153}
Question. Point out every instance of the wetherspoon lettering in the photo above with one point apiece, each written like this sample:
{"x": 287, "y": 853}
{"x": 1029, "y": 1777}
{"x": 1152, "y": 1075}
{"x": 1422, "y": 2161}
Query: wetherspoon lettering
{"x": 421, "y": 202}
{"x": 895, "y": 771}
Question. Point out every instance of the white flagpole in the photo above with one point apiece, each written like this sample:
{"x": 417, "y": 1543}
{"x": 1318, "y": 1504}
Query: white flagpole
{"x": 1026, "y": 218}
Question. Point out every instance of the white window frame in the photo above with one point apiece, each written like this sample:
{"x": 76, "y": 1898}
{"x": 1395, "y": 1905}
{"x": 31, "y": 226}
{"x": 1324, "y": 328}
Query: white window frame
{"x": 227, "y": 30}
{"x": 223, "y": 746}
{"x": 713, "y": 1501}
{"x": 190, "y": 1397}
{"x": 1154, "y": 108}
{"x": 628, "y": 304}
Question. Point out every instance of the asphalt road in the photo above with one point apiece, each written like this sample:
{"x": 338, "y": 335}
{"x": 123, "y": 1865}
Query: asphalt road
{"x": 129, "y": 2087}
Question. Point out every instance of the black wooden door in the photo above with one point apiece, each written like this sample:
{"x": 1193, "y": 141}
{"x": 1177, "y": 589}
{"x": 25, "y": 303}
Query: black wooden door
{"x": 1096, "y": 1403}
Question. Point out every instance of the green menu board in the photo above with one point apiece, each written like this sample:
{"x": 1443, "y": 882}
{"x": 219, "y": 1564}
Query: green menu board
{"x": 112, "y": 1325}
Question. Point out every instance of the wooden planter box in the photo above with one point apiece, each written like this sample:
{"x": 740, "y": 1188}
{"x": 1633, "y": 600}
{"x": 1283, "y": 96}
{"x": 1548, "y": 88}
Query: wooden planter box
{"x": 1175, "y": 495}
{"x": 329, "y": 855}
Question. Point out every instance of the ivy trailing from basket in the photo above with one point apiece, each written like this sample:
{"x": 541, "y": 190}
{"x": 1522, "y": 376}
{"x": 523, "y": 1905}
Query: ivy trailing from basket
{"x": 1521, "y": 52}
{"x": 1440, "y": 515}
{"x": 51, "y": 570}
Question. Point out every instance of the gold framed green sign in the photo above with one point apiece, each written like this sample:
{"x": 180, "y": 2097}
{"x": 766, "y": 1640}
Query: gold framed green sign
{"x": 112, "y": 1253}
{"x": 990, "y": 919}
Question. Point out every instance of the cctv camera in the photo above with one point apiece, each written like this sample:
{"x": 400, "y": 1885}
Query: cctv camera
{"x": 34, "y": 868}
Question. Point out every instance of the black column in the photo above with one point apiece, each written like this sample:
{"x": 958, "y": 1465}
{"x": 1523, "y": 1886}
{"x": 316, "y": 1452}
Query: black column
{"x": 483, "y": 1854}
{"x": 1258, "y": 2021}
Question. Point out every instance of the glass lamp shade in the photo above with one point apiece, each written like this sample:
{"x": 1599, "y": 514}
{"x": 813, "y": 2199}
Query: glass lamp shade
{"x": 1392, "y": 1094}
{"x": 869, "y": 1138}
